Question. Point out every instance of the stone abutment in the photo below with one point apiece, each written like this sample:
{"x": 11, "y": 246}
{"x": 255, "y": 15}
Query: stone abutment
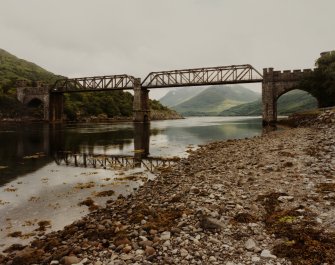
{"x": 275, "y": 84}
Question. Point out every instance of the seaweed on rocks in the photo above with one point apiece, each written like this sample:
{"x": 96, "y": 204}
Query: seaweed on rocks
{"x": 244, "y": 218}
{"x": 302, "y": 241}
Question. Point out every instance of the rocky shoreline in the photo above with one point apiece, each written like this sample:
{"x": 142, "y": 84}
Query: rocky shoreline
{"x": 264, "y": 200}
{"x": 154, "y": 116}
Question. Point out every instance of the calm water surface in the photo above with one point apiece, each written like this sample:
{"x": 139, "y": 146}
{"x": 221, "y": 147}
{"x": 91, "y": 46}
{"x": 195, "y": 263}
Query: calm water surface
{"x": 36, "y": 184}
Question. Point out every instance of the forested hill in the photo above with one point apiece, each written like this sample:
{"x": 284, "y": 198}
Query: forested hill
{"x": 13, "y": 68}
{"x": 212, "y": 100}
{"x": 78, "y": 106}
{"x": 289, "y": 103}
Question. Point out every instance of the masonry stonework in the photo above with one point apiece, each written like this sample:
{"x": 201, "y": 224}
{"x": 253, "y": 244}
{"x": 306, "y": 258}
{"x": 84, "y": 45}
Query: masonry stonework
{"x": 141, "y": 111}
{"x": 275, "y": 84}
{"x": 26, "y": 94}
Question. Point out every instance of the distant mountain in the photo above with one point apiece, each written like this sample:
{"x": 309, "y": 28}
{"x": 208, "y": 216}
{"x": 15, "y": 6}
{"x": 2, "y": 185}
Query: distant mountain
{"x": 180, "y": 94}
{"x": 293, "y": 101}
{"x": 215, "y": 99}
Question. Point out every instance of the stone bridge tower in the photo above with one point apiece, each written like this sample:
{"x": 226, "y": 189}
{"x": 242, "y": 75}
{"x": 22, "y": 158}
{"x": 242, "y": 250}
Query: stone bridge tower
{"x": 275, "y": 84}
{"x": 141, "y": 110}
{"x": 26, "y": 94}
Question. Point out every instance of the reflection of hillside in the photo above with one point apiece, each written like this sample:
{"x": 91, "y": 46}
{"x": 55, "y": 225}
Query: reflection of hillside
{"x": 75, "y": 141}
{"x": 169, "y": 138}
{"x": 225, "y": 130}
{"x": 88, "y": 139}
{"x": 18, "y": 141}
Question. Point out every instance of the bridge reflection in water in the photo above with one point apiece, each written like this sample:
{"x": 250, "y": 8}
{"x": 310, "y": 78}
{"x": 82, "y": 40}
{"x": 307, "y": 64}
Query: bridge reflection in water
{"x": 140, "y": 158}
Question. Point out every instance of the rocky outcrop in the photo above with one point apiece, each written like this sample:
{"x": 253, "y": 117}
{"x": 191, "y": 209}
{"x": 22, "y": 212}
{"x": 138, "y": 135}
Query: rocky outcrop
{"x": 165, "y": 115}
{"x": 310, "y": 118}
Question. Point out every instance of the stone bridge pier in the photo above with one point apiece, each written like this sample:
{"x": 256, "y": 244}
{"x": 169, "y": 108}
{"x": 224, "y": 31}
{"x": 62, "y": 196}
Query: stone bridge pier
{"x": 275, "y": 84}
{"x": 141, "y": 110}
{"x": 56, "y": 108}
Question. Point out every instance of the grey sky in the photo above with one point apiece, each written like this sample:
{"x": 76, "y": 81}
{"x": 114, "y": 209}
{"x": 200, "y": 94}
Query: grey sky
{"x": 86, "y": 37}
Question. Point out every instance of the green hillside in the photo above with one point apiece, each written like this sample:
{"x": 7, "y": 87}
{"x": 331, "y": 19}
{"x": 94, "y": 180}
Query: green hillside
{"x": 13, "y": 68}
{"x": 77, "y": 105}
{"x": 179, "y": 95}
{"x": 216, "y": 99}
{"x": 293, "y": 101}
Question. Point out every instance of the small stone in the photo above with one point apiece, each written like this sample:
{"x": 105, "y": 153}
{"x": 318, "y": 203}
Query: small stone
{"x": 126, "y": 257}
{"x": 146, "y": 243}
{"x": 213, "y": 240}
{"x": 257, "y": 249}
{"x": 54, "y": 262}
{"x": 127, "y": 249}
{"x": 139, "y": 252}
{"x": 250, "y": 244}
{"x": 153, "y": 232}
{"x": 149, "y": 251}
{"x": 167, "y": 243}
{"x": 285, "y": 198}
{"x": 175, "y": 251}
{"x": 122, "y": 241}
{"x": 267, "y": 254}
{"x": 211, "y": 223}
{"x": 84, "y": 260}
{"x": 69, "y": 260}
{"x": 166, "y": 235}
{"x": 255, "y": 259}
{"x": 183, "y": 252}
{"x": 175, "y": 230}
{"x": 212, "y": 259}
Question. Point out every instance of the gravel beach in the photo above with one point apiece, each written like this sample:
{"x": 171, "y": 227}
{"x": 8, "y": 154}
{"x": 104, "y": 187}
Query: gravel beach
{"x": 264, "y": 200}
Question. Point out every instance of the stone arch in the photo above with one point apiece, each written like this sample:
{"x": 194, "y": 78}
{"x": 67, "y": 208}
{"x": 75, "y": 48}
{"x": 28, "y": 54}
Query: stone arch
{"x": 35, "y": 103}
{"x": 35, "y": 106}
{"x": 314, "y": 103}
{"x": 276, "y": 84}
{"x": 38, "y": 102}
{"x": 146, "y": 118}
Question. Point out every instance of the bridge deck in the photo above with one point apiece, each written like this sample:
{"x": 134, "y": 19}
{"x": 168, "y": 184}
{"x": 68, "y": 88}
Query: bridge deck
{"x": 95, "y": 83}
{"x": 233, "y": 74}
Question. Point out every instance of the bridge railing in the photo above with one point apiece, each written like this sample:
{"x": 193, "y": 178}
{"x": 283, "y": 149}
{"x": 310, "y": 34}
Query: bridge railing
{"x": 203, "y": 76}
{"x": 95, "y": 83}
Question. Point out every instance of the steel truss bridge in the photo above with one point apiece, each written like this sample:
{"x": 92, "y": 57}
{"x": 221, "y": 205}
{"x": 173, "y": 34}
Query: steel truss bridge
{"x": 232, "y": 74}
{"x": 96, "y": 83}
{"x": 112, "y": 162}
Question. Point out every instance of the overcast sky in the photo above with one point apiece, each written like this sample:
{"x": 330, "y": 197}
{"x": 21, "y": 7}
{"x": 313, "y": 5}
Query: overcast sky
{"x": 78, "y": 38}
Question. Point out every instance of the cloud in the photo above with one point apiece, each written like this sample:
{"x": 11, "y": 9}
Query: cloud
{"x": 84, "y": 37}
